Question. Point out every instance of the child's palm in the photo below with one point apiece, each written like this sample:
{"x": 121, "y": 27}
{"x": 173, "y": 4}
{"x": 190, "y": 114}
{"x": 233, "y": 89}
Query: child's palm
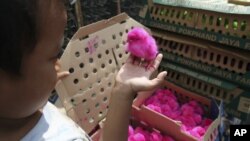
{"x": 137, "y": 77}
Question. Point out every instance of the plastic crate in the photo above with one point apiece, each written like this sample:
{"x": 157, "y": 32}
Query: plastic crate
{"x": 229, "y": 27}
{"x": 167, "y": 125}
{"x": 93, "y": 56}
{"x": 231, "y": 65}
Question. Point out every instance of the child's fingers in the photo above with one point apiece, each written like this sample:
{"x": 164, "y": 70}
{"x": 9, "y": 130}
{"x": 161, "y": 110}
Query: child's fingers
{"x": 63, "y": 74}
{"x": 157, "y": 61}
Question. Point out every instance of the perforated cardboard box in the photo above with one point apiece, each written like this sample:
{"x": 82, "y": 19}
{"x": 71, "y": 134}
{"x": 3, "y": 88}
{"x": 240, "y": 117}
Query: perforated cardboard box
{"x": 93, "y": 56}
{"x": 213, "y": 20}
{"x": 169, "y": 126}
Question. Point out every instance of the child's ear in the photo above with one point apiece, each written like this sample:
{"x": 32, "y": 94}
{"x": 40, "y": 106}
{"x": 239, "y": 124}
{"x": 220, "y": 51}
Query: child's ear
{"x": 60, "y": 74}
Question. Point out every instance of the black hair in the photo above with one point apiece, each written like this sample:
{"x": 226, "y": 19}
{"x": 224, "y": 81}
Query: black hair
{"x": 18, "y": 32}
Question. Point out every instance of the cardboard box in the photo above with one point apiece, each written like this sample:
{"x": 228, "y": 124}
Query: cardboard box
{"x": 167, "y": 125}
{"x": 202, "y": 56}
{"x": 93, "y": 56}
{"x": 209, "y": 20}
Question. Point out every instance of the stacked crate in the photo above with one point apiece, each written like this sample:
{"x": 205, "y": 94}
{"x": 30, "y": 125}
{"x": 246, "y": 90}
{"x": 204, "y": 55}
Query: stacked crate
{"x": 206, "y": 48}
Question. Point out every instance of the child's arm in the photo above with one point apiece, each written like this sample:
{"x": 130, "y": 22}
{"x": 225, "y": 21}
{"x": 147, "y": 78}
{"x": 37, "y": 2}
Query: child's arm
{"x": 131, "y": 79}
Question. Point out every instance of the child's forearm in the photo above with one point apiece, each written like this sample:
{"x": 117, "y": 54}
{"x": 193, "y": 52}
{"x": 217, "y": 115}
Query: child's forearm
{"x": 116, "y": 124}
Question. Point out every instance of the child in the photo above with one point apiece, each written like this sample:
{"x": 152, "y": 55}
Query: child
{"x": 31, "y": 31}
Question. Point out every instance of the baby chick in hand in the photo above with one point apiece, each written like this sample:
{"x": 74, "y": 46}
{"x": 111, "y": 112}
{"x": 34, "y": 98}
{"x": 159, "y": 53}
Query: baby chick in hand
{"x": 142, "y": 46}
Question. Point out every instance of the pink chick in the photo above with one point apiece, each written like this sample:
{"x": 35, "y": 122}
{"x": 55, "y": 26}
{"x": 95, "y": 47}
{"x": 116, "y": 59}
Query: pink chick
{"x": 154, "y": 136}
{"x": 154, "y": 108}
{"x": 137, "y": 137}
{"x": 130, "y": 130}
{"x": 141, "y": 45}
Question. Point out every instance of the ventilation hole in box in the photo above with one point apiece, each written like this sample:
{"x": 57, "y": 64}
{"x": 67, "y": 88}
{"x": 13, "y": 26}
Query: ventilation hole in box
{"x": 100, "y": 114}
{"x": 72, "y": 100}
{"x": 218, "y": 58}
{"x": 94, "y": 70}
{"x": 107, "y": 52}
{"x": 84, "y": 100}
{"x": 244, "y": 36}
{"x": 190, "y": 16}
{"x": 243, "y": 25}
{"x": 99, "y": 56}
{"x": 126, "y": 52}
{"x": 99, "y": 81}
{"x": 218, "y": 93}
{"x": 219, "y": 20}
{"x": 232, "y": 62}
{"x": 188, "y": 81}
{"x": 240, "y": 65}
{"x": 199, "y": 53}
{"x": 124, "y": 42}
{"x": 248, "y": 67}
{"x": 117, "y": 46}
{"x": 81, "y": 65}
{"x": 97, "y": 105}
{"x": 186, "y": 49}
{"x": 184, "y": 15}
{"x": 93, "y": 95}
{"x": 120, "y": 33}
{"x": 211, "y": 56}
{"x": 77, "y": 54}
{"x": 235, "y": 24}
{"x": 211, "y": 19}
{"x": 126, "y": 30}
{"x": 177, "y": 76}
{"x": 226, "y": 23}
{"x": 204, "y": 18}
{"x": 205, "y": 88}
{"x": 110, "y": 61}
{"x": 103, "y": 41}
{"x": 91, "y": 60}
{"x": 71, "y": 70}
{"x": 86, "y": 50}
{"x": 172, "y": 13}
{"x": 204, "y": 54}
{"x": 211, "y": 90}
{"x": 109, "y": 84}
{"x": 87, "y": 111}
{"x": 180, "y": 47}
{"x": 102, "y": 89}
{"x": 105, "y": 99}
{"x": 120, "y": 55}
{"x": 199, "y": 85}
{"x": 225, "y": 60}
{"x": 76, "y": 81}
{"x": 178, "y": 14}
{"x": 194, "y": 82}
{"x": 114, "y": 37}
{"x": 91, "y": 120}
{"x": 103, "y": 65}
{"x": 85, "y": 75}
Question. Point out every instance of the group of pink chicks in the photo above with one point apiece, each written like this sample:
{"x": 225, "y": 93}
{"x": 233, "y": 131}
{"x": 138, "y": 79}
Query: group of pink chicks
{"x": 191, "y": 114}
{"x": 140, "y": 134}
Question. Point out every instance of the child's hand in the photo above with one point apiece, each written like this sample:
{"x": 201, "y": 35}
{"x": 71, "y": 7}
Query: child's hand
{"x": 133, "y": 77}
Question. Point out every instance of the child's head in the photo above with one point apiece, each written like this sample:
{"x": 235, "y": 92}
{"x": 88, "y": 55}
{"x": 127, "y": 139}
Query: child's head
{"x": 30, "y": 36}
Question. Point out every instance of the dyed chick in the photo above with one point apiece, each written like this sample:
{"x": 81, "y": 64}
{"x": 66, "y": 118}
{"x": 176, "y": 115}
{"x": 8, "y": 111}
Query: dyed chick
{"x": 142, "y": 45}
